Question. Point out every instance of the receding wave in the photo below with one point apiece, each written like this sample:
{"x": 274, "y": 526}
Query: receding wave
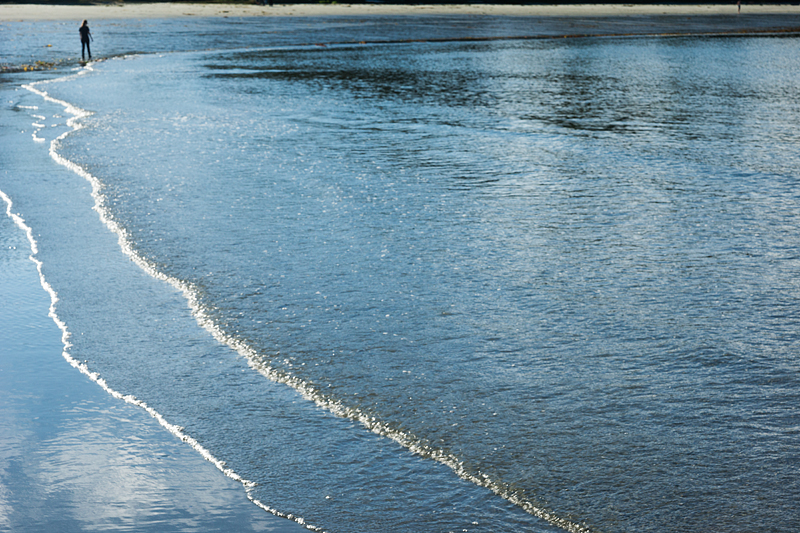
{"x": 124, "y": 242}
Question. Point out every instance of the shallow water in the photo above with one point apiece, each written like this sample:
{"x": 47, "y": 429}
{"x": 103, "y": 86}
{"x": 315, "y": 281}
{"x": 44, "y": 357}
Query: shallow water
{"x": 555, "y": 279}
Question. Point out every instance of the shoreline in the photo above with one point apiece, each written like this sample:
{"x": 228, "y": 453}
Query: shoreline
{"x": 81, "y": 458}
{"x": 73, "y": 457}
{"x": 34, "y": 12}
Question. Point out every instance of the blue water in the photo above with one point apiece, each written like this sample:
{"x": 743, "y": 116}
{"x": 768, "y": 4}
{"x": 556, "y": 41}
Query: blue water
{"x": 518, "y": 285}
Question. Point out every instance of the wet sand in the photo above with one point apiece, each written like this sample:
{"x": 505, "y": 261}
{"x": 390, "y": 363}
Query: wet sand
{"x": 72, "y": 458}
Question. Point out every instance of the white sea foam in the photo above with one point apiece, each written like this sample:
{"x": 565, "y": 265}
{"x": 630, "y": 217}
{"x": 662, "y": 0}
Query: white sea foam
{"x": 308, "y": 390}
{"x": 77, "y": 114}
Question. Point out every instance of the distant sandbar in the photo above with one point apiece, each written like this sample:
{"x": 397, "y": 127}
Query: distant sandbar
{"x": 16, "y": 12}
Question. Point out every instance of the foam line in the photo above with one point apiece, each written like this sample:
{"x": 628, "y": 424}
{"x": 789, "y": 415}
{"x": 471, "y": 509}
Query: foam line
{"x": 175, "y": 430}
{"x": 308, "y": 390}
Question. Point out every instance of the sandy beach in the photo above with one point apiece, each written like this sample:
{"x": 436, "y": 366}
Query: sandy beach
{"x": 167, "y": 10}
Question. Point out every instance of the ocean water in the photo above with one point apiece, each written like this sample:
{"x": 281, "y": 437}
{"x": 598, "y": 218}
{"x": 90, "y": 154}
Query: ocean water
{"x": 513, "y": 285}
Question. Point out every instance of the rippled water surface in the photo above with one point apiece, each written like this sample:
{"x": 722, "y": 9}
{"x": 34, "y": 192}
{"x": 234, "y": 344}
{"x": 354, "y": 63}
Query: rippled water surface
{"x": 557, "y": 280}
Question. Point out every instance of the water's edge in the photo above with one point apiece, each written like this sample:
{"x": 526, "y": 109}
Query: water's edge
{"x": 308, "y": 390}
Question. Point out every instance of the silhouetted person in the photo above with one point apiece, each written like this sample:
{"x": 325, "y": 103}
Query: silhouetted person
{"x": 86, "y": 36}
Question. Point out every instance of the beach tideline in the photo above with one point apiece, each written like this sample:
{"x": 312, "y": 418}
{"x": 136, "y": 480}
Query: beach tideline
{"x": 167, "y": 9}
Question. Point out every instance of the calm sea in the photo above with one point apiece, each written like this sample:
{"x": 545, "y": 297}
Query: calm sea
{"x": 516, "y": 285}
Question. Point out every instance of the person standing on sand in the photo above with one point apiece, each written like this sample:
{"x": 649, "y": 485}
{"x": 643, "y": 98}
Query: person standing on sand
{"x": 86, "y": 36}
